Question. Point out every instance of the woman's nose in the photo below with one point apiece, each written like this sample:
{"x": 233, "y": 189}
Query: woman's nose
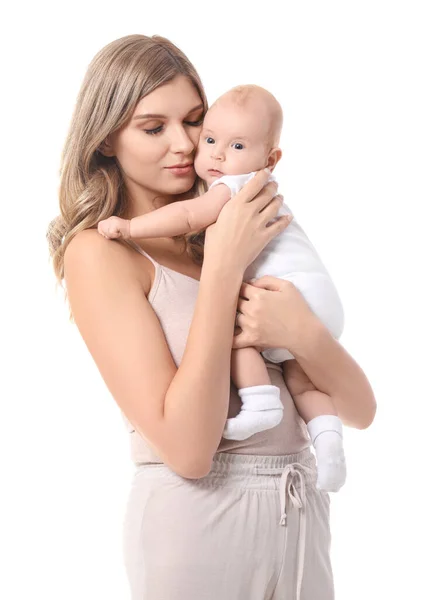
{"x": 181, "y": 142}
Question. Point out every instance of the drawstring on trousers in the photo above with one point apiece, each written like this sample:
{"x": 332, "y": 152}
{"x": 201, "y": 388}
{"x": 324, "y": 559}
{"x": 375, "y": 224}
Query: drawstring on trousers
{"x": 289, "y": 474}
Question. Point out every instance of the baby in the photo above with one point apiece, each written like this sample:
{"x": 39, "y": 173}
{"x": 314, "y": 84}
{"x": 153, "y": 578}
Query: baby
{"x": 240, "y": 136}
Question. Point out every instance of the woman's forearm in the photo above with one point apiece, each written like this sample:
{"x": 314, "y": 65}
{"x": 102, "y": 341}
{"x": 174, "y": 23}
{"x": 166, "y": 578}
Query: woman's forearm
{"x": 333, "y": 371}
{"x": 197, "y": 401}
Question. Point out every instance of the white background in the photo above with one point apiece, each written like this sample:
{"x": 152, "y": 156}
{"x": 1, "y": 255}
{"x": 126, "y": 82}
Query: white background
{"x": 350, "y": 77}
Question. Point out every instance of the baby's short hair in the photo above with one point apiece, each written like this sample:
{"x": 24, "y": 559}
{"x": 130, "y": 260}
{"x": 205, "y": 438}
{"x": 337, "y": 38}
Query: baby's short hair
{"x": 242, "y": 95}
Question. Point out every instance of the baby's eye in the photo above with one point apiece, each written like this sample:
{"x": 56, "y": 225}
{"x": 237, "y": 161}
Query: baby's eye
{"x": 209, "y": 140}
{"x": 238, "y": 146}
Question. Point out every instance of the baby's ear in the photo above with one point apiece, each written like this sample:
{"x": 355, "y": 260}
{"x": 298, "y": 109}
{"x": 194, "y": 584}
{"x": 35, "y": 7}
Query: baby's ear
{"x": 273, "y": 158}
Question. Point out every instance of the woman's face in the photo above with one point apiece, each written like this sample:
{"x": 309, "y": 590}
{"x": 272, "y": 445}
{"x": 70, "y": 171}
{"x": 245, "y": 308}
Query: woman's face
{"x": 163, "y": 132}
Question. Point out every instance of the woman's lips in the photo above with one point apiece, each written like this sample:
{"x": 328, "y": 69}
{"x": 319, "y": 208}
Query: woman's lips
{"x": 181, "y": 170}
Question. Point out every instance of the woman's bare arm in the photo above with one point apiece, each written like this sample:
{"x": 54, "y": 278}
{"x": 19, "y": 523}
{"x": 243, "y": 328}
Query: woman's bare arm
{"x": 181, "y": 412}
{"x": 333, "y": 371}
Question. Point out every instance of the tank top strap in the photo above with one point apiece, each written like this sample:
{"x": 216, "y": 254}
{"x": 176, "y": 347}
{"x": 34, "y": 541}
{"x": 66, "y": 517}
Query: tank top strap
{"x": 139, "y": 249}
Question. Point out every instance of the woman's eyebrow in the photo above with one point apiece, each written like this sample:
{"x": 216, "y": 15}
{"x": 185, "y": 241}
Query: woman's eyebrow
{"x": 156, "y": 116}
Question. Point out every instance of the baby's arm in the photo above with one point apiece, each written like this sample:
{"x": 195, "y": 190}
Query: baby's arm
{"x": 173, "y": 219}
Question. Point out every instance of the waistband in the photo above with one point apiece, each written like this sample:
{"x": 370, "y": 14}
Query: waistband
{"x": 248, "y": 464}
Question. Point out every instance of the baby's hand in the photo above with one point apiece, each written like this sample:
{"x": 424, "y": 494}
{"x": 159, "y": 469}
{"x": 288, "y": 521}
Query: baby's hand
{"x": 114, "y": 227}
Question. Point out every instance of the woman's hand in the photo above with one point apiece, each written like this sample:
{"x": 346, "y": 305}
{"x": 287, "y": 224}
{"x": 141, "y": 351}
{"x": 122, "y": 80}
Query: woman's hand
{"x": 272, "y": 313}
{"x": 240, "y": 232}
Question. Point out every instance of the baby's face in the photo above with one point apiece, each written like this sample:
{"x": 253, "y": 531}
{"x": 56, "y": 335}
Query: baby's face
{"x": 233, "y": 141}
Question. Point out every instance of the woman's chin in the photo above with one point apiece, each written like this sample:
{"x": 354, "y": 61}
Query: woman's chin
{"x": 179, "y": 185}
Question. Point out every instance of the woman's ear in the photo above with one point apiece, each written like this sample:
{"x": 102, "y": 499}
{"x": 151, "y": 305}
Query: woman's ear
{"x": 274, "y": 156}
{"x": 106, "y": 147}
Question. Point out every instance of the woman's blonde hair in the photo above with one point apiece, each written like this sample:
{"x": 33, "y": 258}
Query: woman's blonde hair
{"x": 91, "y": 184}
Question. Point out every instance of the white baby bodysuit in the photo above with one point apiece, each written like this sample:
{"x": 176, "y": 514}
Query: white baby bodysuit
{"x": 290, "y": 255}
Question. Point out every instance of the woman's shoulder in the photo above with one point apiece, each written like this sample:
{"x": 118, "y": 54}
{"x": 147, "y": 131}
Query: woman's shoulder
{"x": 89, "y": 251}
{"x": 88, "y": 247}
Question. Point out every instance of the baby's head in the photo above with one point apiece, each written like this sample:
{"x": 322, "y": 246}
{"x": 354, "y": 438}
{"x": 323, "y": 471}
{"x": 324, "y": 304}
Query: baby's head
{"x": 241, "y": 133}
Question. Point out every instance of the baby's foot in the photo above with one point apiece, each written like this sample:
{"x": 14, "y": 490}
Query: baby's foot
{"x": 326, "y": 432}
{"x": 331, "y": 463}
{"x": 247, "y": 423}
{"x": 261, "y": 410}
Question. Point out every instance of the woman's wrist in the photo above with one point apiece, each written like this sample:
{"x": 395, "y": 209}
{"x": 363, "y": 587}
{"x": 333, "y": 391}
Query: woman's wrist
{"x": 309, "y": 339}
{"x": 223, "y": 269}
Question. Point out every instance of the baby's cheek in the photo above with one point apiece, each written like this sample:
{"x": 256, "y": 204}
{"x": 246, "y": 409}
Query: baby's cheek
{"x": 200, "y": 165}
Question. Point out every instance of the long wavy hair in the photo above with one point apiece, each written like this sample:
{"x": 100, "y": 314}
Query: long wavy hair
{"x": 91, "y": 184}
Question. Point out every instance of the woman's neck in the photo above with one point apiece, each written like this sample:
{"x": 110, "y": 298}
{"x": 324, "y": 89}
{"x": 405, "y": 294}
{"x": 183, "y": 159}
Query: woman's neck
{"x": 163, "y": 246}
{"x": 142, "y": 205}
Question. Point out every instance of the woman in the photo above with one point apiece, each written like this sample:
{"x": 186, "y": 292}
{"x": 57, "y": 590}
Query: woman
{"x": 207, "y": 517}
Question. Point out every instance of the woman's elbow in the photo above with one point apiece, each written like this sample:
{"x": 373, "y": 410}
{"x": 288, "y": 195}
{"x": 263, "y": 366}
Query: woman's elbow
{"x": 370, "y": 418}
{"x": 367, "y": 416}
{"x": 193, "y": 469}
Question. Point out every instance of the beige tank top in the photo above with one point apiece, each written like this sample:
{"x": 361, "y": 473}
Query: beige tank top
{"x": 172, "y": 297}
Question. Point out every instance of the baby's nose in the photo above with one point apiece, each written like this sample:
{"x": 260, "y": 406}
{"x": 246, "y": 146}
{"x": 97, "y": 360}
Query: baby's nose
{"x": 217, "y": 155}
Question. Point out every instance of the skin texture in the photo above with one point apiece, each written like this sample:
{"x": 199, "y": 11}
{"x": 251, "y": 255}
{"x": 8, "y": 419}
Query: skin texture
{"x": 182, "y": 411}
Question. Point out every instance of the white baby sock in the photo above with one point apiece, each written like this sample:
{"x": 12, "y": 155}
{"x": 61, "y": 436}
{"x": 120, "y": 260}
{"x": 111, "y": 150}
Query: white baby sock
{"x": 326, "y": 433}
{"x": 261, "y": 409}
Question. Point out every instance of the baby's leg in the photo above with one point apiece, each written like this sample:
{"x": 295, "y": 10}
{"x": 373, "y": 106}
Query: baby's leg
{"x": 248, "y": 368}
{"x": 261, "y": 405}
{"x": 324, "y": 426}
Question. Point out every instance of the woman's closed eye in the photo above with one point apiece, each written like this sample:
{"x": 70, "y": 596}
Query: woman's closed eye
{"x": 195, "y": 123}
{"x": 155, "y": 130}
{"x": 160, "y": 128}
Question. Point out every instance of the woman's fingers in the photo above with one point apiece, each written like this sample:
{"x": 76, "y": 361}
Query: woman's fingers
{"x": 264, "y": 198}
{"x": 239, "y": 341}
{"x": 244, "y": 340}
{"x": 246, "y": 293}
{"x": 278, "y": 199}
{"x": 267, "y": 282}
{"x": 241, "y": 305}
{"x": 278, "y": 226}
{"x": 251, "y": 189}
{"x": 252, "y": 290}
{"x": 270, "y": 211}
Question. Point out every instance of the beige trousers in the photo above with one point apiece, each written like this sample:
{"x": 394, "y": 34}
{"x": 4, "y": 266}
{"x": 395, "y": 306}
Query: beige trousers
{"x": 255, "y": 528}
